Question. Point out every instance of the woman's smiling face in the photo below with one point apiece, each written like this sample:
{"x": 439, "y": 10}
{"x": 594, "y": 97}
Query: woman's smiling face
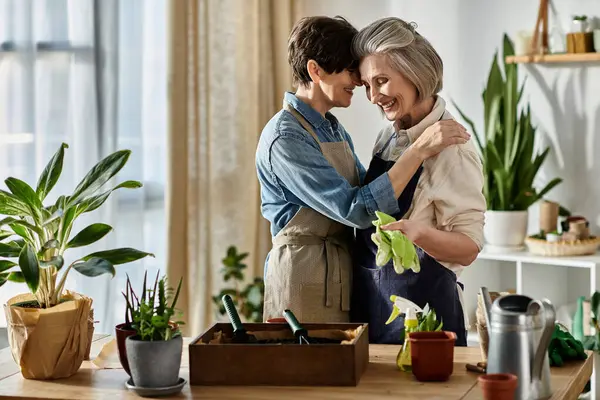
{"x": 387, "y": 87}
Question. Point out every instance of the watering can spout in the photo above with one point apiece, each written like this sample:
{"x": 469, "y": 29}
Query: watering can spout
{"x": 487, "y": 304}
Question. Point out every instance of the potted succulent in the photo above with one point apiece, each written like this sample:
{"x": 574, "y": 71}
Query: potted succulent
{"x": 154, "y": 352}
{"x": 34, "y": 240}
{"x": 510, "y": 163}
{"x": 125, "y": 329}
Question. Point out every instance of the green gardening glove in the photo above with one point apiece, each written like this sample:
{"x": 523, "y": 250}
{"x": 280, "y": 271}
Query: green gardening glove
{"x": 393, "y": 245}
{"x": 563, "y": 347}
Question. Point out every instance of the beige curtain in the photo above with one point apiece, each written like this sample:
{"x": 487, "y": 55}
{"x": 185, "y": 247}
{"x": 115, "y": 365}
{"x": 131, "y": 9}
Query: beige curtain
{"x": 228, "y": 73}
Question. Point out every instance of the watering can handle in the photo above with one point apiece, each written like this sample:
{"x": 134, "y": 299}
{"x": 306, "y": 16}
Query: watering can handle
{"x": 549, "y": 318}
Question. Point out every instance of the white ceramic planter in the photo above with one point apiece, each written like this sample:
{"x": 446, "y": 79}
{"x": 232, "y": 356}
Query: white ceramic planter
{"x": 505, "y": 229}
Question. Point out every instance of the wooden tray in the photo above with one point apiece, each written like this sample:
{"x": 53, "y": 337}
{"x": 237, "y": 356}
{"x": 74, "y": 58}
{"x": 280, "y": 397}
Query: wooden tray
{"x": 279, "y": 364}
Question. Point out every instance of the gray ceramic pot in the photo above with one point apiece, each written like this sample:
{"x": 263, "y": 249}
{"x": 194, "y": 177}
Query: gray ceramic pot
{"x": 154, "y": 364}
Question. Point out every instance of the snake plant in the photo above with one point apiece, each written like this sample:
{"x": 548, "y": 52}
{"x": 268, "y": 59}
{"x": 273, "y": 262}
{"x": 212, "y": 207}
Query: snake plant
{"x": 507, "y": 146}
{"x": 34, "y": 237}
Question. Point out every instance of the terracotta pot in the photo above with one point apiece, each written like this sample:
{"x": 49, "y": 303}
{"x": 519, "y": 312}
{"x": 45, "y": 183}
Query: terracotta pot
{"x": 432, "y": 355}
{"x": 123, "y": 331}
{"x": 498, "y": 386}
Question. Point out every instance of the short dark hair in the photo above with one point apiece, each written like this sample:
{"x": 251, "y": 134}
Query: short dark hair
{"x": 328, "y": 41}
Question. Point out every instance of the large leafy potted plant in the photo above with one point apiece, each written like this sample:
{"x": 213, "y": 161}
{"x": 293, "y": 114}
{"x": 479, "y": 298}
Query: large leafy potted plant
{"x": 154, "y": 352}
{"x": 34, "y": 240}
{"x": 510, "y": 162}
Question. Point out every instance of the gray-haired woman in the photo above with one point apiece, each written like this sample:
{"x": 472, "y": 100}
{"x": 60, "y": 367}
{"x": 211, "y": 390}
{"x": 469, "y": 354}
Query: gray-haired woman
{"x": 442, "y": 209}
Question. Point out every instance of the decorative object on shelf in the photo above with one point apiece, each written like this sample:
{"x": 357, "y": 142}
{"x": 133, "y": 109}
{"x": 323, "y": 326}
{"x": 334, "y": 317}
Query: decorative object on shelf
{"x": 549, "y": 216}
{"x": 248, "y": 300}
{"x": 579, "y": 24}
{"x": 37, "y": 236}
{"x": 580, "y": 42}
{"x": 154, "y": 352}
{"x": 596, "y": 34}
{"x": 541, "y": 23}
{"x": 573, "y": 240}
{"x": 523, "y": 43}
{"x": 509, "y": 160}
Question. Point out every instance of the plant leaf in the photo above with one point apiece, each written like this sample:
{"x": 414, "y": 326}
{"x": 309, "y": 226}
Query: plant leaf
{"x": 26, "y": 194}
{"x": 119, "y": 256}
{"x": 89, "y": 235}
{"x": 30, "y": 267}
{"x": 94, "y": 267}
{"x": 51, "y": 173}
{"x": 100, "y": 174}
{"x": 16, "y": 277}
{"x": 57, "y": 262}
{"x": 92, "y": 203}
{"x": 9, "y": 250}
{"x": 12, "y": 205}
{"x": 6, "y": 265}
{"x": 5, "y": 234}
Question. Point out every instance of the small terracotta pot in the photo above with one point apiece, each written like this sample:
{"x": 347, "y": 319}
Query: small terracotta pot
{"x": 123, "y": 331}
{"x": 432, "y": 355}
{"x": 498, "y": 386}
{"x": 276, "y": 321}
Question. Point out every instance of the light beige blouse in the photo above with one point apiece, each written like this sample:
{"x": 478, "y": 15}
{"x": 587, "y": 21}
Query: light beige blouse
{"x": 449, "y": 195}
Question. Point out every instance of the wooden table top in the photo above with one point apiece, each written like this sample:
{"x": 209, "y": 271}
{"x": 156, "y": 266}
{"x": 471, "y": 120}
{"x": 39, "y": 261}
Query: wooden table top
{"x": 381, "y": 380}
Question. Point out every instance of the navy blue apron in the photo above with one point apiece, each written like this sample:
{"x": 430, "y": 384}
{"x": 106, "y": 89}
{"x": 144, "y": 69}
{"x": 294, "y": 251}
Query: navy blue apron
{"x": 373, "y": 286}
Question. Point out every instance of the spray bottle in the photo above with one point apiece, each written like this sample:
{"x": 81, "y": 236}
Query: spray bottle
{"x": 411, "y": 324}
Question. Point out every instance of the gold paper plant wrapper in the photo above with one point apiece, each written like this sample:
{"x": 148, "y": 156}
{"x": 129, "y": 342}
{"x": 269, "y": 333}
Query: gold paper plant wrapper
{"x": 49, "y": 343}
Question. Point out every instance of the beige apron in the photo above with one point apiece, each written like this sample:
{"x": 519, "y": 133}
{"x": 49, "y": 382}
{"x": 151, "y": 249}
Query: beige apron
{"x": 310, "y": 267}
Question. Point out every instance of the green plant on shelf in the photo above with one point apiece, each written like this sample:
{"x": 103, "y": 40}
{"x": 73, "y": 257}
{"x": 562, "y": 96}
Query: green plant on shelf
{"x": 248, "y": 298}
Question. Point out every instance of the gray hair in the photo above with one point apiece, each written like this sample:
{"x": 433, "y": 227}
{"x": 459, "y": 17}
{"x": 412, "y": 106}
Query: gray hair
{"x": 409, "y": 53}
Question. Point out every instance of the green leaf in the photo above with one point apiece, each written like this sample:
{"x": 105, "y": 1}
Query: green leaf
{"x": 551, "y": 185}
{"x": 5, "y": 234}
{"x": 472, "y": 125}
{"x": 94, "y": 266}
{"x": 595, "y": 304}
{"x": 51, "y": 173}
{"x": 26, "y": 194}
{"x": 119, "y": 256}
{"x": 12, "y": 205}
{"x": 9, "y": 250}
{"x": 6, "y": 265}
{"x": 30, "y": 267}
{"x": 50, "y": 244}
{"x": 57, "y": 261}
{"x": 101, "y": 173}
{"x": 89, "y": 235}
{"x": 93, "y": 202}
{"x": 16, "y": 277}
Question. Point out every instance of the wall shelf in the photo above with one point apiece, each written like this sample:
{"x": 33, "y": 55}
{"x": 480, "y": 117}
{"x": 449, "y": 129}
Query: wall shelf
{"x": 554, "y": 58}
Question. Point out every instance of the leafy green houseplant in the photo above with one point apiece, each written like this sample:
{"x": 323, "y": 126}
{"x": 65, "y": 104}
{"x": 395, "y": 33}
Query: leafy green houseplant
{"x": 154, "y": 352}
{"x": 35, "y": 239}
{"x": 510, "y": 162}
{"x": 247, "y": 299}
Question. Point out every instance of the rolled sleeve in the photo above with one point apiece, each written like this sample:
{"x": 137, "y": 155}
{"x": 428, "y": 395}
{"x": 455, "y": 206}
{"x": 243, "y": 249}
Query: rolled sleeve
{"x": 379, "y": 196}
{"x": 459, "y": 201}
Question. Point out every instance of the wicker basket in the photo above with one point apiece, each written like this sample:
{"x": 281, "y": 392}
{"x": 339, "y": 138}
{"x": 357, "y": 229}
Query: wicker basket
{"x": 563, "y": 248}
{"x": 481, "y": 323}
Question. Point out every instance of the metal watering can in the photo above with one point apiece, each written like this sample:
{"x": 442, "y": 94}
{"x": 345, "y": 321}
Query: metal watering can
{"x": 520, "y": 330}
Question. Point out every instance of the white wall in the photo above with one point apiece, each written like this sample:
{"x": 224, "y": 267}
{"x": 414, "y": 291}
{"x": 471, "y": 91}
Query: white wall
{"x": 564, "y": 101}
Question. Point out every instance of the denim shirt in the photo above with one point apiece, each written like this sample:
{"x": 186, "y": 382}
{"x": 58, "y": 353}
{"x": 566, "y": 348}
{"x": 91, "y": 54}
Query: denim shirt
{"x": 293, "y": 173}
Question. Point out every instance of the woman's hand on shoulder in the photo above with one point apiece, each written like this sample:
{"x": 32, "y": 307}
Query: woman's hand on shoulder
{"x": 438, "y": 136}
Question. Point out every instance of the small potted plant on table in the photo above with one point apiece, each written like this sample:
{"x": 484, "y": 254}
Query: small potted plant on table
{"x": 154, "y": 352}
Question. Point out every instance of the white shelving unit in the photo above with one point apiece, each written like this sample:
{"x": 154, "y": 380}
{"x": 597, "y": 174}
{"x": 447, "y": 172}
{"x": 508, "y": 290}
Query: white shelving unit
{"x": 562, "y": 279}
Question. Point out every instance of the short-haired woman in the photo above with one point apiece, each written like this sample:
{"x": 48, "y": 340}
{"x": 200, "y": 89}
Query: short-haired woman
{"x": 441, "y": 209}
{"x": 312, "y": 182}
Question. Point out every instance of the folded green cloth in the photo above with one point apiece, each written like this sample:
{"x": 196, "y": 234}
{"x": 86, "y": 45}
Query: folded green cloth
{"x": 564, "y": 347}
{"x": 393, "y": 245}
